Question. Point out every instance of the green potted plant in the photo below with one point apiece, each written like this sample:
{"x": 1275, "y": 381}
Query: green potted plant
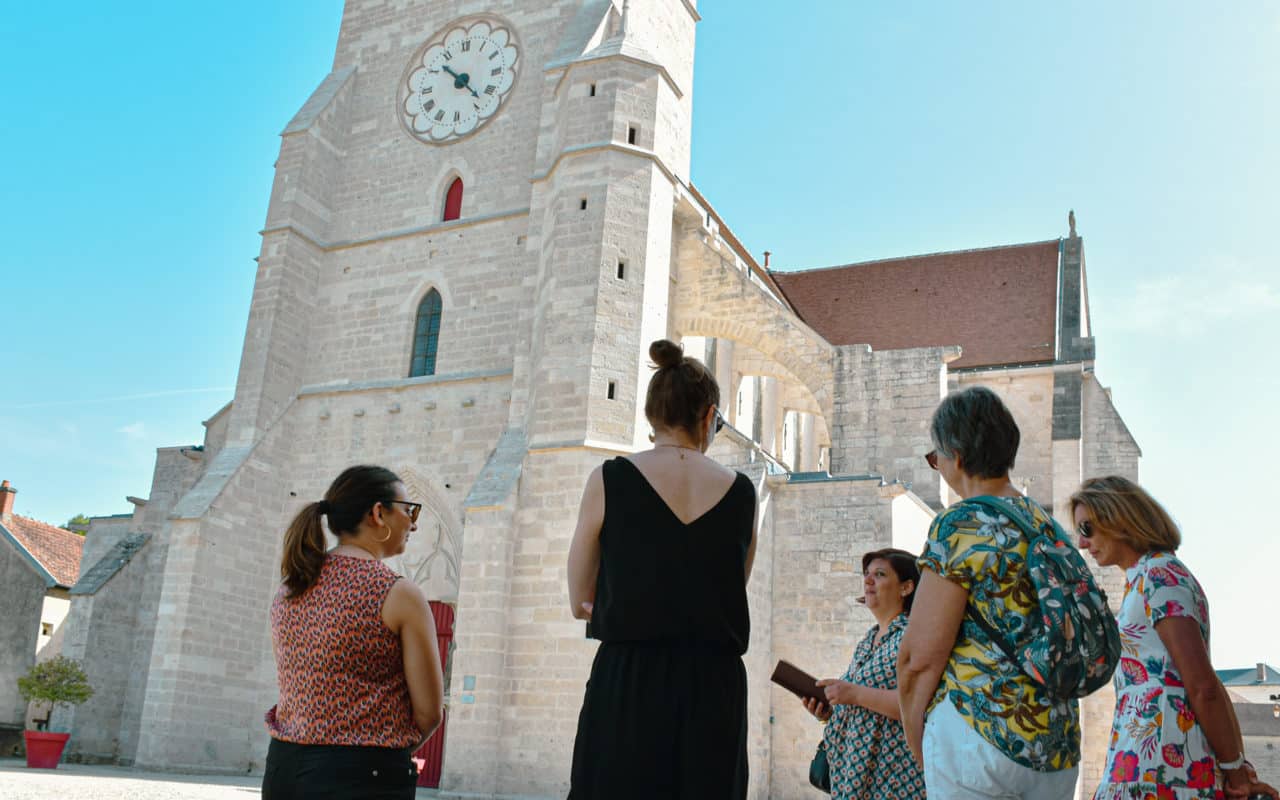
{"x": 57, "y": 681}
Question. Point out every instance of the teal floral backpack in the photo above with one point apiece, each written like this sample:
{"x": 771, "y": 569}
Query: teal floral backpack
{"x": 1073, "y": 648}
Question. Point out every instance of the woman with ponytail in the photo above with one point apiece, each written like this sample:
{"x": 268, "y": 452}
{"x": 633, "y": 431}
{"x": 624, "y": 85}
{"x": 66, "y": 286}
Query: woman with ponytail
{"x": 361, "y": 685}
{"x": 659, "y": 565}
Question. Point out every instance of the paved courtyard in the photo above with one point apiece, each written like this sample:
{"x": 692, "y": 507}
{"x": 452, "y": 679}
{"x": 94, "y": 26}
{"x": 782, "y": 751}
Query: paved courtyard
{"x": 84, "y": 782}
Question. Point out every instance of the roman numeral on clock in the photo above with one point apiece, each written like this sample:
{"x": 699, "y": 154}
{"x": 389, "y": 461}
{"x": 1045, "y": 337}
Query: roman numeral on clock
{"x": 494, "y": 54}
{"x": 440, "y": 115}
{"x": 466, "y": 45}
{"x": 496, "y": 71}
{"x": 457, "y": 115}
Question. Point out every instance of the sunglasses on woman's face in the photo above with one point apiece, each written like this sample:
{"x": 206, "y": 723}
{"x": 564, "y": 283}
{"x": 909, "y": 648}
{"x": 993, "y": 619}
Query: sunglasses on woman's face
{"x": 932, "y": 458}
{"x": 412, "y": 509}
{"x": 719, "y": 421}
{"x": 1085, "y": 529}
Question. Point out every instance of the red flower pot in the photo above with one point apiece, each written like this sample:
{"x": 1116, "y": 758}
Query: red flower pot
{"x": 44, "y": 749}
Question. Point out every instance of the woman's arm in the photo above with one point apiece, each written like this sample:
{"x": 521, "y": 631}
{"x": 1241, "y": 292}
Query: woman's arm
{"x": 1208, "y": 698}
{"x": 882, "y": 701}
{"x": 407, "y": 613}
{"x": 584, "y": 550}
{"x": 936, "y": 614}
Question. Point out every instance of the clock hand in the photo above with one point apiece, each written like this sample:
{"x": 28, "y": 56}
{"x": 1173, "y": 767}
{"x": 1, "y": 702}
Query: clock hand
{"x": 461, "y": 81}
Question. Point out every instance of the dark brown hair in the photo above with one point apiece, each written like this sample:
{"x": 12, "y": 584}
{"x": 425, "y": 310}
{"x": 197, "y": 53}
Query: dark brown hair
{"x": 903, "y": 564}
{"x": 976, "y": 424}
{"x": 681, "y": 390}
{"x": 350, "y": 497}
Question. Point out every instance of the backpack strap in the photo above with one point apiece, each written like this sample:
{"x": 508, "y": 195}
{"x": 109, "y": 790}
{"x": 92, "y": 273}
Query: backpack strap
{"x": 1014, "y": 515}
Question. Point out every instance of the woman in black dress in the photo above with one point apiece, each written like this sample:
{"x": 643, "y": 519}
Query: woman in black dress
{"x": 659, "y": 565}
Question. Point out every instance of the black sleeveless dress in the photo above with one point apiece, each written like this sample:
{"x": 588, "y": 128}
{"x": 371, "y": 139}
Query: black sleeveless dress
{"x": 665, "y": 712}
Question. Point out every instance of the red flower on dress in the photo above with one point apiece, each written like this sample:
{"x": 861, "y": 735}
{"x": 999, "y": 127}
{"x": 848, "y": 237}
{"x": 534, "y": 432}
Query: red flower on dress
{"x": 1124, "y": 769}
{"x": 1202, "y": 774}
{"x": 1165, "y": 793}
{"x": 1133, "y": 670}
{"x": 1173, "y": 755}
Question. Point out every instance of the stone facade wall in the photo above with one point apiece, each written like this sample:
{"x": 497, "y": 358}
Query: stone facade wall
{"x": 1109, "y": 447}
{"x": 22, "y": 597}
{"x": 1261, "y": 730}
{"x": 884, "y": 400}
{"x": 1029, "y": 396}
{"x": 102, "y": 632}
{"x": 526, "y": 656}
{"x": 102, "y": 535}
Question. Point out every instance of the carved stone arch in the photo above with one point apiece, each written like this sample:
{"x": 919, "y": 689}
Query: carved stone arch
{"x": 781, "y": 351}
{"x": 432, "y": 557}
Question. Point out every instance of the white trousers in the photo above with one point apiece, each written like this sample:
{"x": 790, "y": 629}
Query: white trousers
{"x": 960, "y": 765}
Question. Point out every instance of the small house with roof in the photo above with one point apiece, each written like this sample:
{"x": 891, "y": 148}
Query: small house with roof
{"x": 39, "y": 563}
{"x": 1257, "y": 684}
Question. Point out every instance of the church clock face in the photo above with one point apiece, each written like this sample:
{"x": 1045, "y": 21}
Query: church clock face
{"x": 458, "y": 80}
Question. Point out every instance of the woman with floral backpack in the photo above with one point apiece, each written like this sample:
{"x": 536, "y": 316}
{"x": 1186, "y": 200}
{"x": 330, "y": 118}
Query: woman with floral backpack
{"x": 992, "y": 729}
{"x": 1175, "y": 734}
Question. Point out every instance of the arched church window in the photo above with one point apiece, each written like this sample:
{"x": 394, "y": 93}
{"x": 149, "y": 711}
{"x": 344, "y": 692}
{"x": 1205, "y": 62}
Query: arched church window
{"x": 453, "y": 200}
{"x": 426, "y": 336}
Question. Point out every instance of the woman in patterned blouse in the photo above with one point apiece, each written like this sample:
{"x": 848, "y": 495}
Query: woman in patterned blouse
{"x": 866, "y": 751}
{"x": 1175, "y": 734}
{"x": 355, "y": 646}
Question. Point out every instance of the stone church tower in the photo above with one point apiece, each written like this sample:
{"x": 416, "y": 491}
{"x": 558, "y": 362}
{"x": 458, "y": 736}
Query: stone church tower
{"x": 479, "y": 220}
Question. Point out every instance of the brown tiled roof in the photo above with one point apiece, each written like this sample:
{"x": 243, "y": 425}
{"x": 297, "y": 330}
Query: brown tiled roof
{"x": 57, "y": 550}
{"x": 999, "y": 304}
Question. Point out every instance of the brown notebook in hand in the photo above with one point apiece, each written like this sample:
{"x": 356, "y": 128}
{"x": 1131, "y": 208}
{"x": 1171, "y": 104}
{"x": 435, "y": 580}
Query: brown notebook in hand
{"x": 797, "y": 681}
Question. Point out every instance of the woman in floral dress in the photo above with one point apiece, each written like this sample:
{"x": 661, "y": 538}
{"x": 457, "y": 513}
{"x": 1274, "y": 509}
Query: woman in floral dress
{"x": 866, "y": 751}
{"x": 1175, "y": 734}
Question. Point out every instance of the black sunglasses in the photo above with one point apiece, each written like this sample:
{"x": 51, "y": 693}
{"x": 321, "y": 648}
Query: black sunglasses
{"x": 1085, "y": 529}
{"x": 931, "y": 458}
{"x": 719, "y": 421}
{"x": 412, "y": 509}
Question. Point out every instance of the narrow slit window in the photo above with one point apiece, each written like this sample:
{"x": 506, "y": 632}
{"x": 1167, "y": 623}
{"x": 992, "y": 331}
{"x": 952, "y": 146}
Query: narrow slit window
{"x": 426, "y": 336}
{"x": 592, "y": 91}
{"x": 453, "y": 201}
{"x": 613, "y": 389}
{"x": 622, "y": 270}
{"x": 582, "y": 204}
{"x": 631, "y": 134}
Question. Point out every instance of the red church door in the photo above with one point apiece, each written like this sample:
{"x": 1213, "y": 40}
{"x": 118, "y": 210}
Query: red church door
{"x": 430, "y": 756}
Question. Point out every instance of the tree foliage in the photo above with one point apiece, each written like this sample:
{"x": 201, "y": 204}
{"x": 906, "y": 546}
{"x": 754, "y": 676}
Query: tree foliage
{"x": 78, "y": 524}
{"x": 57, "y": 680}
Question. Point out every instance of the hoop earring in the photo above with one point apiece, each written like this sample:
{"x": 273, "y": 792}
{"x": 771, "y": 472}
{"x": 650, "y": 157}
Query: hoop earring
{"x": 384, "y": 538}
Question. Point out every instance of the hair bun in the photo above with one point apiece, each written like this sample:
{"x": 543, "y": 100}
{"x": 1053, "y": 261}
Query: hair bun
{"x": 666, "y": 353}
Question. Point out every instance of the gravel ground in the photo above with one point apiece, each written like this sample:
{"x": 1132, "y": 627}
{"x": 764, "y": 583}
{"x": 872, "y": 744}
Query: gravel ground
{"x": 82, "y": 782}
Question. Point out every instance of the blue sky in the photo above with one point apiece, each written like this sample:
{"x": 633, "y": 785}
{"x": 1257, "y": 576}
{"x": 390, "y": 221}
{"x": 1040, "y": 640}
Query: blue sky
{"x": 137, "y": 156}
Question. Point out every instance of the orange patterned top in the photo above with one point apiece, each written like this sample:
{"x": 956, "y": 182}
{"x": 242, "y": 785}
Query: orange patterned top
{"x": 341, "y": 670}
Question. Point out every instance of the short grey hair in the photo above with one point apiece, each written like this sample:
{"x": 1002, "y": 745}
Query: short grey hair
{"x": 975, "y": 424}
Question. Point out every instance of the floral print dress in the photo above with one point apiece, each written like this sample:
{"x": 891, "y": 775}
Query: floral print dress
{"x": 1158, "y": 750}
{"x": 867, "y": 752}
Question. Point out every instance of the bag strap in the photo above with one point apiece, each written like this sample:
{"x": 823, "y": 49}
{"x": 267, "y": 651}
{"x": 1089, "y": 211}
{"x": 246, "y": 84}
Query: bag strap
{"x": 1014, "y": 515}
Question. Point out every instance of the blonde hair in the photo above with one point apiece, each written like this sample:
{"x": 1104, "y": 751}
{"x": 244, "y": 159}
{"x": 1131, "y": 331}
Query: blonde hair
{"x": 1125, "y": 511}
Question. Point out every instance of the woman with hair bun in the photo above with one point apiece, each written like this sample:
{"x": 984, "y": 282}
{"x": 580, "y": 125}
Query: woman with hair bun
{"x": 659, "y": 565}
{"x": 359, "y": 669}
